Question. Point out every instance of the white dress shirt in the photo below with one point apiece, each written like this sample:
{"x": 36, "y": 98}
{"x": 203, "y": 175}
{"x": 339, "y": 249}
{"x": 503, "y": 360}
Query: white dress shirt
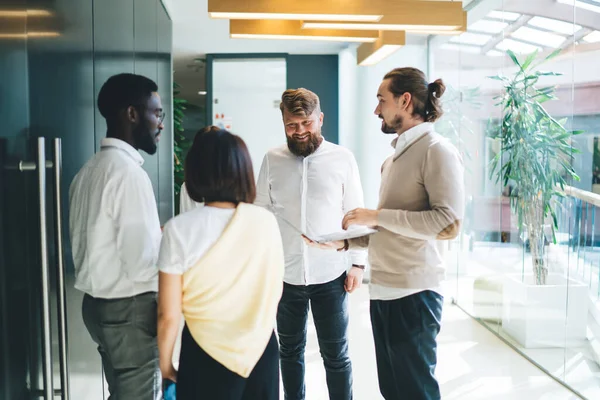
{"x": 313, "y": 194}
{"x": 379, "y": 292}
{"x": 114, "y": 226}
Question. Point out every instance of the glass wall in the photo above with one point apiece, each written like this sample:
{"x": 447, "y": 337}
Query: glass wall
{"x": 535, "y": 288}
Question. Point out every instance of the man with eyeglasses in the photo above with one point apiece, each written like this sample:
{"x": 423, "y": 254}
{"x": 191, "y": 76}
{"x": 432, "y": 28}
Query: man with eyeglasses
{"x": 115, "y": 236}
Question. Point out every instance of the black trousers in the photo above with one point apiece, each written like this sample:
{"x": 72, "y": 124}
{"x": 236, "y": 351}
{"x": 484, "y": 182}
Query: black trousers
{"x": 202, "y": 377}
{"x": 329, "y": 305}
{"x": 405, "y": 332}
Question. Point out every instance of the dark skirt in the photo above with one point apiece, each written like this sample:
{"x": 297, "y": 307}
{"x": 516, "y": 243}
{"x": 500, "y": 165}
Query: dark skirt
{"x": 202, "y": 377}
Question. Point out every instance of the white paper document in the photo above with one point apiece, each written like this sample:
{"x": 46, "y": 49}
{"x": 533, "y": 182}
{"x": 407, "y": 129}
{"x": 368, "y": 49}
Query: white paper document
{"x": 352, "y": 232}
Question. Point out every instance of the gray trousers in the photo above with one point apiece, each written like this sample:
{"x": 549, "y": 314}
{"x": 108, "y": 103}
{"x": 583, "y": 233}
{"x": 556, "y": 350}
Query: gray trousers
{"x": 125, "y": 331}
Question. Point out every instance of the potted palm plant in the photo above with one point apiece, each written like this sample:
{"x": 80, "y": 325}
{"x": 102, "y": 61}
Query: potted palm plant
{"x": 535, "y": 159}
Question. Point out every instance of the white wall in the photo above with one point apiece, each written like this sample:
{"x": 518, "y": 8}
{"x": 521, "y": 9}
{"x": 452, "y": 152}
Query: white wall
{"x": 360, "y": 129}
{"x": 348, "y": 104}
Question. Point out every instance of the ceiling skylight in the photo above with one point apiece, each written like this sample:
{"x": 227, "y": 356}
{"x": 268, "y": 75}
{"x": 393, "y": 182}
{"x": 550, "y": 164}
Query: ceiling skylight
{"x": 590, "y": 5}
{"x": 461, "y": 48}
{"x": 566, "y": 28}
{"x": 476, "y": 39}
{"x": 488, "y": 26}
{"x": 593, "y": 37}
{"x": 504, "y": 15}
{"x": 495, "y": 53}
{"x": 538, "y": 37}
{"x": 517, "y": 47}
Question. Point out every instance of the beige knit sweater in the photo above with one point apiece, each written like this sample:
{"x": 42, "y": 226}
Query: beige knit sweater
{"x": 421, "y": 200}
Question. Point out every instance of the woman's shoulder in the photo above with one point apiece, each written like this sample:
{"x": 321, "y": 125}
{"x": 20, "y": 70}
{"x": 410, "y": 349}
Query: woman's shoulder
{"x": 193, "y": 218}
{"x": 258, "y": 212}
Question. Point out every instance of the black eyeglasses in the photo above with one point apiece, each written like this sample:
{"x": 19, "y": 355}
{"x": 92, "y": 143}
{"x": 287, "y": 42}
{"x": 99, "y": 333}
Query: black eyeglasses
{"x": 157, "y": 113}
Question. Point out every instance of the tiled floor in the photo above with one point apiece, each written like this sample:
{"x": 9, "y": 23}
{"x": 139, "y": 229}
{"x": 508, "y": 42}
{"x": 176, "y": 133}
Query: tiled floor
{"x": 473, "y": 363}
{"x": 478, "y": 287}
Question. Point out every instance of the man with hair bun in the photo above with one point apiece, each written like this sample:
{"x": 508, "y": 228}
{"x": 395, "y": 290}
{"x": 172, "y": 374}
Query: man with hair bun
{"x": 421, "y": 201}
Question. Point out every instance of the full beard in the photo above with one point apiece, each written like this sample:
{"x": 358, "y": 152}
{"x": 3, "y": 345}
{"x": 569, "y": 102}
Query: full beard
{"x": 145, "y": 139}
{"x": 304, "y": 149}
{"x": 394, "y": 127}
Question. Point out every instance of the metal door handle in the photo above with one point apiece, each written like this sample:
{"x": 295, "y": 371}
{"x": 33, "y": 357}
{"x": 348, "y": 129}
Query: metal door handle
{"x": 24, "y": 166}
{"x": 60, "y": 273}
{"x": 46, "y": 329}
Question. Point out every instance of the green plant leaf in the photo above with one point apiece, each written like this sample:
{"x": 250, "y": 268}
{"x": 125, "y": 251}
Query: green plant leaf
{"x": 546, "y": 90}
{"x": 536, "y": 150}
{"x": 546, "y": 73}
{"x": 529, "y": 60}
{"x": 512, "y": 55}
{"x": 552, "y": 55}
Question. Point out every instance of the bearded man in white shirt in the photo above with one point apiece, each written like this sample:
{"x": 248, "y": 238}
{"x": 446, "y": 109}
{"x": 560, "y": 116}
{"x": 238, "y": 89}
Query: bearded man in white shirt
{"x": 115, "y": 236}
{"x": 310, "y": 184}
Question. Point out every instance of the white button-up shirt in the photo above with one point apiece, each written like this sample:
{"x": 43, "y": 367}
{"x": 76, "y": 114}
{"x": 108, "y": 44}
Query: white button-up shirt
{"x": 114, "y": 226}
{"x": 312, "y": 193}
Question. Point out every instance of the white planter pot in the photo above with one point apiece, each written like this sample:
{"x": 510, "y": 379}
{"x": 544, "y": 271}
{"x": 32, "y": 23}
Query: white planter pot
{"x": 487, "y": 298}
{"x": 551, "y": 315}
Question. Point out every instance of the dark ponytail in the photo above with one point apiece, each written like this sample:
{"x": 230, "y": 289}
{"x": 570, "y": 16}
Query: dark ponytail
{"x": 425, "y": 96}
{"x": 433, "y": 106}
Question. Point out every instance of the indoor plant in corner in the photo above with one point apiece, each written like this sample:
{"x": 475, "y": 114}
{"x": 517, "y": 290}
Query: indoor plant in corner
{"x": 180, "y": 143}
{"x": 536, "y": 160}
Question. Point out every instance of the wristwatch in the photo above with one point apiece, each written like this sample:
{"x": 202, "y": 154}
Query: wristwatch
{"x": 358, "y": 266}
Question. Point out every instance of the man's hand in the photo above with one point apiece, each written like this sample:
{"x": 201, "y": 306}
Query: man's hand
{"x": 354, "y": 279}
{"x": 360, "y": 216}
{"x": 337, "y": 245}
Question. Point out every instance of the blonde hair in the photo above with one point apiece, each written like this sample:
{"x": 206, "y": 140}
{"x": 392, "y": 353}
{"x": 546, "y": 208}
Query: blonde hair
{"x": 301, "y": 102}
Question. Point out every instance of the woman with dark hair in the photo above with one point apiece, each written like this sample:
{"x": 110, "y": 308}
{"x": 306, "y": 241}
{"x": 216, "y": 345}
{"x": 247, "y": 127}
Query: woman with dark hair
{"x": 221, "y": 266}
{"x": 185, "y": 201}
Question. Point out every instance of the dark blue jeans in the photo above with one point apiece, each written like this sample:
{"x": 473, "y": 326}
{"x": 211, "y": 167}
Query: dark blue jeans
{"x": 329, "y": 305}
{"x": 405, "y": 332}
